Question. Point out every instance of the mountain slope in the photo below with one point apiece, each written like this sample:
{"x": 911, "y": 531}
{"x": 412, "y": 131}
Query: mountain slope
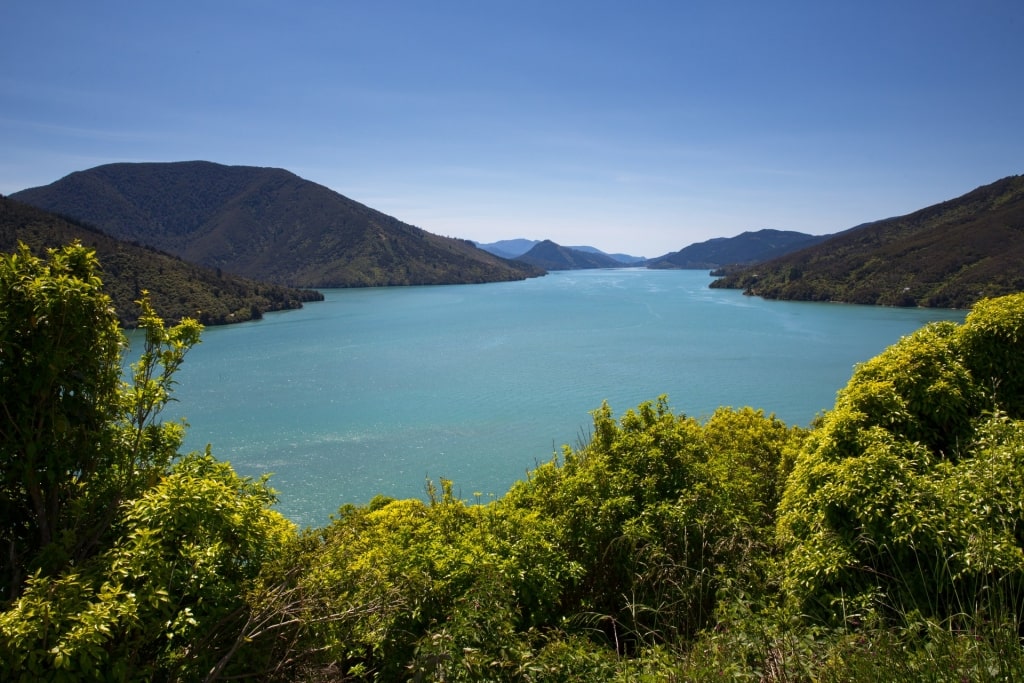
{"x": 745, "y": 248}
{"x": 551, "y": 256}
{"x": 509, "y": 248}
{"x": 266, "y": 224}
{"x": 947, "y": 255}
{"x": 515, "y": 248}
{"x": 177, "y": 289}
{"x": 623, "y": 259}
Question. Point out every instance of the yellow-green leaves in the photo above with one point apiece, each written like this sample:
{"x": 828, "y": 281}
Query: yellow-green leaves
{"x": 60, "y": 352}
{"x": 904, "y": 494}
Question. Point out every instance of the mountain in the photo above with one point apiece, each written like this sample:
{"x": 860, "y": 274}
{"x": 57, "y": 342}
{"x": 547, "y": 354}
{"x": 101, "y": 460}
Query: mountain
{"x": 550, "y": 256}
{"x": 745, "y": 248}
{"x": 176, "y": 289}
{"x": 623, "y": 259}
{"x": 266, "y": 224}
{"x": 948, "y": 255}
{"x": 515, "y": 248}
{"x": 509, "y": 249}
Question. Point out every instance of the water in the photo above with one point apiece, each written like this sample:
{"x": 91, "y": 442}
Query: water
{"x": 375, "y": 390}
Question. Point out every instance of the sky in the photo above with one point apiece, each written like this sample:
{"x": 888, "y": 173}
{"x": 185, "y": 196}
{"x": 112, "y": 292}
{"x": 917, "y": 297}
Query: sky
{"x": 635, "y": 127}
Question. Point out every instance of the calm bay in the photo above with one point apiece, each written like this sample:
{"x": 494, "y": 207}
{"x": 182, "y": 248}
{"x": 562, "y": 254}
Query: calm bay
{"x": 375, "y": 390}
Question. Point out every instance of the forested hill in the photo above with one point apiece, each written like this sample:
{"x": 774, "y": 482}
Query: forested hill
{"x": 267, "y": 224}
{"x": 948, "y": 255}
{"x": 551, "y": 256}
{"x": 177, "y": 289}
{"x": 743, "y": 249}
{"x": 514, "y": 248}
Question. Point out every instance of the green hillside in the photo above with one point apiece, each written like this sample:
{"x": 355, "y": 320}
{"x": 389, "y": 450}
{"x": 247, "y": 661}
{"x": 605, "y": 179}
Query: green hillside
{"x": 551, "y": 256}
{"x": 947, "y": 255}
{"x": 177, "y": 289}
{"x": 745, "y": 248}
{"x": 266, "y": 224}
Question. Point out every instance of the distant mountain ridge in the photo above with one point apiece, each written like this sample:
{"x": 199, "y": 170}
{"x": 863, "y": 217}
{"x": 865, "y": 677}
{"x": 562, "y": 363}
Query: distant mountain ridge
{"x": 509, "y": 249}
{"x": 623, "y": 259}
{"x": 176, "y": 289}
{"x": 947, "y": 255}
{"x": 745, "y": 248}
{"x": 514, "y": 248}
{"x": 266, "y": 224}
{"x": 551, "y": 256}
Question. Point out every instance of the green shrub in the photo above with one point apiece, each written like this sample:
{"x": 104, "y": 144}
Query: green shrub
{"x": 165, "y": 601}
{"x": 906, "y": 498}
{"x": 117, "y": 565}
{"x": 442, "y": 588}
{"x": 993, "y": 342}
{"x": 655, "y": 508}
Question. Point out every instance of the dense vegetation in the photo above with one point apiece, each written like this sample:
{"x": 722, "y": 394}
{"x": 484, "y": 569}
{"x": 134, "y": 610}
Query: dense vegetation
{"x": 885, "y": 542}
{"x": 266, "y": 224}
{"x": 177, "y": 289}
{"x": 948, "y": 255}
{"x": 745, "y": 248}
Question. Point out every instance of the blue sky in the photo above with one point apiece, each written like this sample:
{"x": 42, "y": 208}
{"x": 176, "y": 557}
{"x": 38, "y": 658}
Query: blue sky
{"x": 636, "y": 127}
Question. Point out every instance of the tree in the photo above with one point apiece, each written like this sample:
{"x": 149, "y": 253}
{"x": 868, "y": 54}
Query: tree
{"x": 122, "y": 561}
{"x": 75, "y": 441}
{"x": 60, "y": 352}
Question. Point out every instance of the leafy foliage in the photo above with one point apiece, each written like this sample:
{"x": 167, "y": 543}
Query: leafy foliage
{"x": 907, "y": 498}
{"x": 165, "y": 600}
{"x": 656, "y": 507}
{"x": 116, "y": 565}
{"x": 435, "y": 588}
{"x": 993, "y": 337}
{"x": 885, "y": 542}
{"x": 619, "y": 547}
{"x": 60, "y": 352}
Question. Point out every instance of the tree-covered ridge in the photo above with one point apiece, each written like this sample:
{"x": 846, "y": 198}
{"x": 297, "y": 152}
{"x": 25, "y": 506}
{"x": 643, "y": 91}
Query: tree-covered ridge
{"x": 266, "y": 224}
{"x": 882, "y": 543}
{"x": 948, "y": 255}
{"x": 551, "y": 256}
{"x": 745, "y": 248}
{"x": 176, "y": 288}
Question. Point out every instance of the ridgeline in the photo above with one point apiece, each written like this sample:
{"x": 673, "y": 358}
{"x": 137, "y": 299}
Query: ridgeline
{"x": 949, "y": 255}
{"x": 743, "y": 249}
{"x": 266, "y": 224}
{"x": 177, "y": 289}
{"x": 551, "y": 256}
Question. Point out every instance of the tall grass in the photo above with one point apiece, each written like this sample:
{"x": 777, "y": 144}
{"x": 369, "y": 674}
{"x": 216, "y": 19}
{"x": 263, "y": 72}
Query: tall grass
{"x": 760, "y": 639}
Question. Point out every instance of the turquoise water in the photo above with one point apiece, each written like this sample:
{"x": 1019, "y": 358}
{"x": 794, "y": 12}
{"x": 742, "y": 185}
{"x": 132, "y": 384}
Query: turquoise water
{"x": 375, "y": 390}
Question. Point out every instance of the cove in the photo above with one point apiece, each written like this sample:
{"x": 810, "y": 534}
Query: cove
{"x": 374, "y": 390}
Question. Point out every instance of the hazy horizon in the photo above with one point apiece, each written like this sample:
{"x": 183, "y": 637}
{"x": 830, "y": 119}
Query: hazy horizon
{"x": 638, "y": 130}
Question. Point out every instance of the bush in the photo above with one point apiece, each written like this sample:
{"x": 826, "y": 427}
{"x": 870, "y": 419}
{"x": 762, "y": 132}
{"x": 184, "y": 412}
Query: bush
{"x": 117, "y": 565}
{"x": 166, "y": 600}
{"x": 993, "y": 341}
{"x": 656, "y": 508}
{"x": 905, "y": 500}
